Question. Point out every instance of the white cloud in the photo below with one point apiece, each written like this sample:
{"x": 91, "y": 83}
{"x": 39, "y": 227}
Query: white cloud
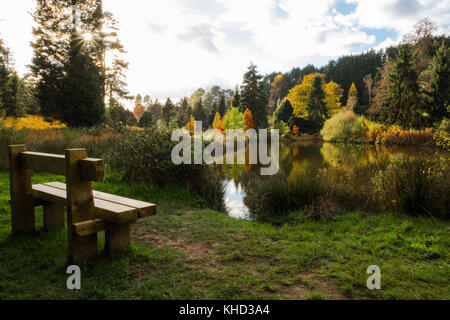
{"x": 176, "y": 46}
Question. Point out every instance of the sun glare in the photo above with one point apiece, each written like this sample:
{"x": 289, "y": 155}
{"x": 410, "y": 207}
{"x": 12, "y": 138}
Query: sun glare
{"x": 88, "y": 37}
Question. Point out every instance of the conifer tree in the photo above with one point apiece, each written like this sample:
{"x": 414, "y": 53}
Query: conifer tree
{"x": 403, "y": 106}
{"x": 253, "y": 96}
{"x": 316, "y": 106}
{"x": 199, "y": 112}
{"x": 440, "y": 84}
{"x": 222, "y": 109}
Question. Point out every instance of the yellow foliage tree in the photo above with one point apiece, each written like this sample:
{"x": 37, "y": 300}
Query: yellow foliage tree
{"x": 190, "y": 126}
{"x": 333, "y": 95}
{"x": 298, "y": 95}
{"x": 248, "y": 118}
{"x": 276, "y": 88}
{"x": 352, "y": 100}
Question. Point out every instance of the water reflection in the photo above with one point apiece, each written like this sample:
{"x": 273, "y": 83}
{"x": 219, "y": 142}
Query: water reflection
{"x": 312, "y": 156}
{"x": 234, "y": 201}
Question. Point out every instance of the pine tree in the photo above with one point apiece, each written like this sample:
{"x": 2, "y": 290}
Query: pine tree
{"x": 81, "y": 88}
{"x": 403, "y": 104}
{"x": 235, "y": 101}
{"x": 96, "y": 33}
{"x": 12, "y": 97}
{"x": 212, "y": 114}
{"x": 440, "y": 84}
{"x": 146, "y": 120}
{"x": 168, "y": 111}
{"x": 199, "y": 112}
{"x": 222, "y": 109}
{"x": 284, "y": 112}
{"x": 316, "y": 106}
{"x": 254, "y": 97}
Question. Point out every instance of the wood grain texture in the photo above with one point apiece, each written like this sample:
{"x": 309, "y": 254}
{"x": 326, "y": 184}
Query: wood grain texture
{"x": 80, "y": 207}
{"x": 144, "y": 209}
{"x": 22, "y": 200}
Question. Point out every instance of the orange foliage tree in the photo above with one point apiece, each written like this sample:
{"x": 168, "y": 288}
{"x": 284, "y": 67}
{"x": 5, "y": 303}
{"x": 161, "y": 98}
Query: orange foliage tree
{"x": 295, "y": 129}
{"x": 248, "y": 119}
{"x": 221, "y": 126}
{"x": 139, "y": 110}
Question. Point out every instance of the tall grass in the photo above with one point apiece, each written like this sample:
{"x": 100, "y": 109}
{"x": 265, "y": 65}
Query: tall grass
{"x": 407, "y": 185}
{"x": 415, "y": 187}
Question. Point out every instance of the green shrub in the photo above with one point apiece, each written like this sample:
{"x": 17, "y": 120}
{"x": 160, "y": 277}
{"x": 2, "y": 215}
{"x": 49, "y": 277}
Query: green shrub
{"x": 339, "y": 127}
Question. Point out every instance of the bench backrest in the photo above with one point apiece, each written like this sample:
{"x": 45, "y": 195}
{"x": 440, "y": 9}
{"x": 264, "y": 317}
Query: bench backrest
{"x": 74, "y": 164}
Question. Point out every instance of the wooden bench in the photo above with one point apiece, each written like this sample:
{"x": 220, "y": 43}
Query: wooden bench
{"x": 88, "y": 211}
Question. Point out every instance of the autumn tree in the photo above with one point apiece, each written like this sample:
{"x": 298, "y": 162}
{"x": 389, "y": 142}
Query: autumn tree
{"x": 248, "y": 119}
{"x": 276, "y": 91}
{"x": 138, "y": 111}
{"x": 190, "y": 126}
{"x": 333, "y": 95}
{"x": 299, "y": 95}
{"x": 217, "y": 120}
{"x": 352, "y": 100}
{"x": 196, "y": 96}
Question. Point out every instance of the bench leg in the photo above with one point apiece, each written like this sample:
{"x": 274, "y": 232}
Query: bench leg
{"x": 22, "y": 201}
{"x": 53, "y": 217}
{"x": 82, "y": 248}
{"x": 117, "y": 239}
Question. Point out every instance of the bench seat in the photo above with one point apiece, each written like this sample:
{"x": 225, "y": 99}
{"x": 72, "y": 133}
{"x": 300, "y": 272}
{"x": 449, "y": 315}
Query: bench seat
{"x": 109, "y": 207}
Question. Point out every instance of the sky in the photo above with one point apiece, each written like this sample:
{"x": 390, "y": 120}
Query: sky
{"x": 177, "y": 46}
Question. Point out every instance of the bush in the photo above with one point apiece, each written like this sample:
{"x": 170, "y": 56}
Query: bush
{"x": 9, "y": 136}
{"x": 414, "y": 186}
{"x": 145, "y": 155}
{"x": 276, "y": 196}
{"x": 339, "y": 127}
{"x": 442, "y": 135}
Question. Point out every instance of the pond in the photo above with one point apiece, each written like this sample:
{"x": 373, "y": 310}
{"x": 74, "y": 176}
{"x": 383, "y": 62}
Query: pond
{"x": 313, "y": 156}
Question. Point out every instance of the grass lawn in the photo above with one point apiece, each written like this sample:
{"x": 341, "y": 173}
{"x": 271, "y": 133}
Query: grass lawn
{"x": 186, "y": 252}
